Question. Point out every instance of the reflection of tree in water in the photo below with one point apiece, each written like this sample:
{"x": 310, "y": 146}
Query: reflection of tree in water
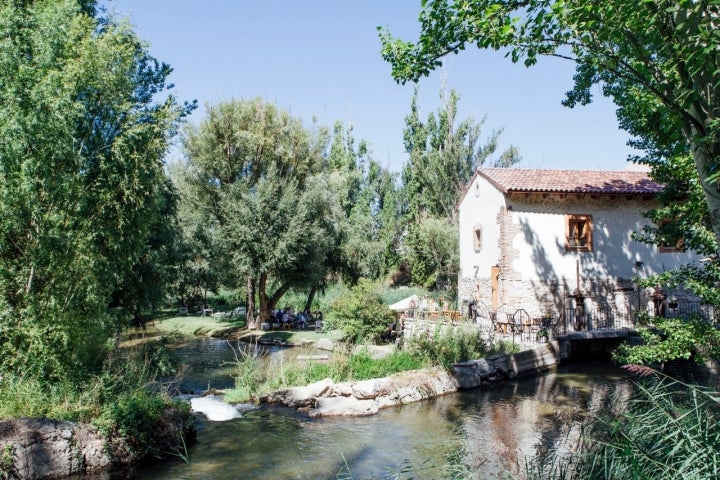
{"x": 508, "y": 427}
{"x": 576, "y": 401}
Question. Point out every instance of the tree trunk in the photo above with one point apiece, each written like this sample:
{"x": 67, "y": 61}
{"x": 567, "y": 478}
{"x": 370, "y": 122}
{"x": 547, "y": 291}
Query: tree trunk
{"x": 264, "y": 301}
{"x": 310, "y": 298}
{"x": 251, "y": 320}
{"x": 705, "y": 163}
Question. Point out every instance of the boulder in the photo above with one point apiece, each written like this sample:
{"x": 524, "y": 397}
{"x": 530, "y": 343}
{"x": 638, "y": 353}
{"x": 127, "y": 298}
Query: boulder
{"x": 38, "y": 448}
{"x": 325, "y": 344}
{"x": 300, "y": 396}
{"x": 365, "y": 389}
{"x": 343, "y": 406}
{"x": 474, "y": 373}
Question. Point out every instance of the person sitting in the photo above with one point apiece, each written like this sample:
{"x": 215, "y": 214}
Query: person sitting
{"x": 391, "y": 333}
{"x": 301, "y": 320}
{"x": 286, "y": 319}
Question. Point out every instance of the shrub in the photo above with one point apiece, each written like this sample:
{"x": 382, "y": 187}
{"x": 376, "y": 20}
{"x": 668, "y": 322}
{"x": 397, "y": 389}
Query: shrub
{"x": 141, "y": 424}
{"x": 672, "y": 339}
{"x": 361, "y": 314}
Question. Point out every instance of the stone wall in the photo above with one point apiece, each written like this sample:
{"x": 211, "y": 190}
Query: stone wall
{"x": 38, "y": 448}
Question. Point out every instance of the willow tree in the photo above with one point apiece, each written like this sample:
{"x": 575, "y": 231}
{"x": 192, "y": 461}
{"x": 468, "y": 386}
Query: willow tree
{"x": 260, "y": 175}
{"x": 81, "y": 142}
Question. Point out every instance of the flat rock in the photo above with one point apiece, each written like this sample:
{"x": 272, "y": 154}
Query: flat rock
{"x": 343, "y": 406}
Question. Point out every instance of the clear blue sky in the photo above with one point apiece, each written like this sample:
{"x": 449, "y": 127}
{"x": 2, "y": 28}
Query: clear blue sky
{"x": 321, "y": 58}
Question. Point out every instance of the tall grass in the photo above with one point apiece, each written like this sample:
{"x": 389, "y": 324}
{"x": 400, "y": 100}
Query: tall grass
{"x": 670, "y": 430}
{"x": 446, "y": 346}
{"x": 124, "y": 370}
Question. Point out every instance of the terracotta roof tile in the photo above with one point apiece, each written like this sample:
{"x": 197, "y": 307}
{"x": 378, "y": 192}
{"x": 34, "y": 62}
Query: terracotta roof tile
{"x": 570, "y": 181}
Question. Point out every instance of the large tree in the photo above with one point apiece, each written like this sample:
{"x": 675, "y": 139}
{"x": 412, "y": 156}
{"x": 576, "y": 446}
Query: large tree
{"x": 260, "y": 175}
{"x": 371, "y": 231}
{"x": 81, "y": 142}
{"x": 664, "y": 51}
{"x": 444, "y": 154}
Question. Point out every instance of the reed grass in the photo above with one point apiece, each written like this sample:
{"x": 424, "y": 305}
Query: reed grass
{"x": 670, "y": 430}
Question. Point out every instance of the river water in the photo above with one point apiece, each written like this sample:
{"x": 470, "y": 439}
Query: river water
{"x": 483, "y": 433}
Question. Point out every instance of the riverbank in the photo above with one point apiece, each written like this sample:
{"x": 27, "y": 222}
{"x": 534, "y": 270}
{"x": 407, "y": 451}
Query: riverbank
{"x": 231, "y": 329}
{"x": 39, "y": 448}
{"x": 361, "y": 398}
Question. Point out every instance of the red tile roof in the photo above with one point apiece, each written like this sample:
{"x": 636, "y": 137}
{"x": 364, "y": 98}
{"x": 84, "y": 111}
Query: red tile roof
{"x": 570, "y": 181}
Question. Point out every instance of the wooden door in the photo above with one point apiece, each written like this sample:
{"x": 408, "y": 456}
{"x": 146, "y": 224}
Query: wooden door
{"x": 494, "y": 276}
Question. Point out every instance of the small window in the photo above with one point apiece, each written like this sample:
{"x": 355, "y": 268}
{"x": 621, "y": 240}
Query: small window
{"x": 477, "y": 238}
{"x": 578, "y": 234}
{"x": 669, "y": 239}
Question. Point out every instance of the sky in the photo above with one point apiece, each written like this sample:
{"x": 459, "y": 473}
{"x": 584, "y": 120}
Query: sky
{"x": 321, "y": 60}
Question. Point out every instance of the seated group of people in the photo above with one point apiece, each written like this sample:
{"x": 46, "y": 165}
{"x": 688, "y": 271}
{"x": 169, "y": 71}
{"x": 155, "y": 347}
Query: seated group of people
{"x": 286, "y": 317}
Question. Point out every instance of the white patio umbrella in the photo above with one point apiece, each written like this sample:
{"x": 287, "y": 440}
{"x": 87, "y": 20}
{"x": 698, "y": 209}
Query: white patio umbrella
{"x": 407, "y": 303}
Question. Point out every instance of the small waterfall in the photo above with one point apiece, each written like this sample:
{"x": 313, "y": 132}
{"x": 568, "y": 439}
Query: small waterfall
{"x": 215, "y": 409}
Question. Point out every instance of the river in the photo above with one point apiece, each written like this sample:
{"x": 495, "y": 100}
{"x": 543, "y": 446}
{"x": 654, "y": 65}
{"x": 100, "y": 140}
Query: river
{"x": 483, "y": 433}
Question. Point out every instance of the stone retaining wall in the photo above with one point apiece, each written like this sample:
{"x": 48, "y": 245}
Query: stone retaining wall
{"x": 34, "y": 448}
{"x": 326, "y": 398}
{"x": 38, "y": 448}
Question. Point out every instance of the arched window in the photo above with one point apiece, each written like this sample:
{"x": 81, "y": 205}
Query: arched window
{"x": 477, "y": 238}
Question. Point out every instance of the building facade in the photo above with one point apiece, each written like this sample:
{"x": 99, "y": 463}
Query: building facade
{"x": 548, "y": 240}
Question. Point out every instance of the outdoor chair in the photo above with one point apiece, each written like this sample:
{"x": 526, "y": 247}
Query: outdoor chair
{"x": 493, "y": 322}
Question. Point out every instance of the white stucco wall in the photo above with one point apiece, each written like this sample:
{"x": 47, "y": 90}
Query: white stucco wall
{"x": 479, "y": 207}
{"x": 540, "y": 243}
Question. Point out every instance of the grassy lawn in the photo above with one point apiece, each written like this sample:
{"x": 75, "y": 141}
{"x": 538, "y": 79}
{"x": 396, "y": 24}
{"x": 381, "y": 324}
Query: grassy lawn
{"x": 231, "y": 328}
{"x": 196, "y": 325}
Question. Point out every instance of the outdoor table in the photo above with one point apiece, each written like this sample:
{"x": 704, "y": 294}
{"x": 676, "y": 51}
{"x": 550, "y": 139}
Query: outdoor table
{"x": 504, "y": 326}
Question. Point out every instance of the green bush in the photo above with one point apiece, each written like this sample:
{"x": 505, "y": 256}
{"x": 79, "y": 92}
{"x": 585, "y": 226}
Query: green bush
{"x": 447, "y": 346}
{"x": 131, "y": 416}
{"x": 672, "y": 339}
{"x": 361, "y": 314}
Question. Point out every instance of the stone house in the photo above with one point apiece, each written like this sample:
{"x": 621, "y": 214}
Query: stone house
{"x": 548, "y": 240}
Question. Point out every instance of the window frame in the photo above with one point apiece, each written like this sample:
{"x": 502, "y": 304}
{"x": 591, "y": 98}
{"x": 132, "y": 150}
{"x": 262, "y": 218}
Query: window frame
{"x": 679, "y": 242}
{"x": 477, "y": 233}
{"x": 570, "y": 220}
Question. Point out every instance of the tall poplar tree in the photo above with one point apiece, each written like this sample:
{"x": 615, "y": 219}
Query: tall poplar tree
{"x": 444, "y": 154}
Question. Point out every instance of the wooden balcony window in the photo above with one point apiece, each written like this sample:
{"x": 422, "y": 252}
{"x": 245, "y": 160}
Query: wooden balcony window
{"x": 578, "y": 233}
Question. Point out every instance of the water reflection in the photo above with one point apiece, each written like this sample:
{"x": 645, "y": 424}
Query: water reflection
{"x": 493, "y": 431}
